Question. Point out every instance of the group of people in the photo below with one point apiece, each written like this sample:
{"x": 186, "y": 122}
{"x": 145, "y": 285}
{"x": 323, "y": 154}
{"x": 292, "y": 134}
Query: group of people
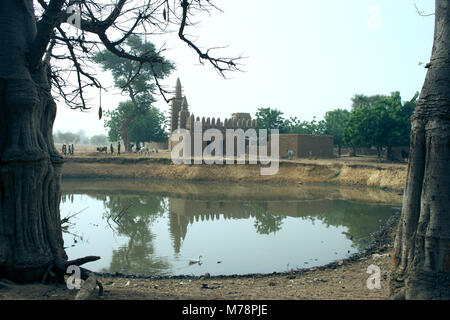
{"x": 111, "y": 148}
{"x": 290, "y": 154}
{"x": 68, "y": 149}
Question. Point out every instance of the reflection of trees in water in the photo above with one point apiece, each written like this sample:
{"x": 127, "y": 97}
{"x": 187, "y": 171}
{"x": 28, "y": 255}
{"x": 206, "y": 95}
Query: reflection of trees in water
{"x": 136, "y": 213}
{"x": 134, "y": 216}
{"x": 65, "y": 197}
{"x": 186, "y": 211}
{"x": 67, "y": 225}
{"x": 360, "y": 219}
{"x": 265, "y": 222}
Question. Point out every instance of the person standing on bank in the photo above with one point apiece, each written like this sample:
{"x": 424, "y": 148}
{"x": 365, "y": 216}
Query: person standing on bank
{"x": 118, "y": 148}
{"x": 111, "y": 148}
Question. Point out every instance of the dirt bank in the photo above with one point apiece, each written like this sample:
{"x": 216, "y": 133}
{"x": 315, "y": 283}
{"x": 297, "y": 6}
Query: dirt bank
{"x": 381, "y": 175}
{"x": 207, "y": 190}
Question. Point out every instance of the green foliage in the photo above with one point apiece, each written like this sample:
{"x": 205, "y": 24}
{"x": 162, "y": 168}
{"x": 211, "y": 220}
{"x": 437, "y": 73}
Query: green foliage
{"x": 359, "y": 100}
{"x": 135, "y": 119}
{"x": 356, "y": 131}
{"x": 335, "y": 124}
{"x": 273, "y": 119}
{"x": 132, "y": 77}
{"x": 116, "y": 118}
{"x": 148, "y": 127}
{"x": 294, "y": 125}
{"x": 401, "y": 121}
{"x": 384, "y": 122}
{"x": 270, "y": 119}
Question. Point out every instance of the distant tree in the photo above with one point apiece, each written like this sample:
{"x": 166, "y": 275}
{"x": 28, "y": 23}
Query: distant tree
{"x": 355, "y": 133}
{"x": 393, "y": 121}
{"x": 269, "y": 118}
{"x": 82, "y": 137}
{"x": 335, "y": 123}
{"x": 79, "y": 137}
{"x": 359, "y": 100}
{"x": 66, "y": 137}
{"x": 384, "y": 124}
{"x": 294, "y": 125}
{"x": 117, "y": 121}
{"x": 99, "y": 140}
{"x": 134, "y": 79}
{"x": 148, "y": 124}
{"x": 148, "y": 127}
{"x": 57, "y": 137}
{"x": 400, "y": 114}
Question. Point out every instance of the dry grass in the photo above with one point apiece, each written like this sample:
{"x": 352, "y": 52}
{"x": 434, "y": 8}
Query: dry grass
{"x": 343, "y": 171}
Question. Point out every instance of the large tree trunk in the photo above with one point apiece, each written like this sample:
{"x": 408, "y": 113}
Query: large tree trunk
{"x": 124, "y": 134}
{"x": 421, "y": 260}
{"x": 30, "y": 166}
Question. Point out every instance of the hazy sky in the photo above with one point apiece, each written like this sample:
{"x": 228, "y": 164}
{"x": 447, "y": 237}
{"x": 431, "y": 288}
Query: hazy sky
{"x": 304, "y": 57}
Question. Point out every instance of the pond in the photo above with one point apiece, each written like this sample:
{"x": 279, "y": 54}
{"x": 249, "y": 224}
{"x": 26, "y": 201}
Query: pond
{"x": 157, "y": 227}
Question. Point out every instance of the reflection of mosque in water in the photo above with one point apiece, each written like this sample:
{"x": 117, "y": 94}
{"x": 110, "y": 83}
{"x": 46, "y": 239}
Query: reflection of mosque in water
{"x": 183, "y": 212}
{"x": 360, "y": 219}
{"x": 131, "y": 215}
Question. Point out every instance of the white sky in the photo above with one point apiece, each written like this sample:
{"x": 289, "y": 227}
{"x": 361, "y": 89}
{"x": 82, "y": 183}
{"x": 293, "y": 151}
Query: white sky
{"x": 305, "y": 57}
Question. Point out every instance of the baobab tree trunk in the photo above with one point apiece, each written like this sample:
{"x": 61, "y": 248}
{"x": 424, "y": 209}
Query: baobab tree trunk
{"x": 421, "y": 260}
{"x": 30, "y": 166}
{"x": 31, "y": 242}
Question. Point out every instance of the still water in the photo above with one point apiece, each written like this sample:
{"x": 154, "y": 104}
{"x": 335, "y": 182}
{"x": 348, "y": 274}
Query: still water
{"x": 156, "y": 228}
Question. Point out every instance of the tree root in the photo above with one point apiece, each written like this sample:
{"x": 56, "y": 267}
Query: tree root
{"x": 89, "y": 287}
{"x": 6, "y": 284}
{"x": 56, "y": 271}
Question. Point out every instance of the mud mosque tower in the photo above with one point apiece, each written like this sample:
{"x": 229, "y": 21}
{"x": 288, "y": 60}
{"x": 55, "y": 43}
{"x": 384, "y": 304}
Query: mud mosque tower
{"x": 301, "y": 144}
{"x": 181, "y": 118}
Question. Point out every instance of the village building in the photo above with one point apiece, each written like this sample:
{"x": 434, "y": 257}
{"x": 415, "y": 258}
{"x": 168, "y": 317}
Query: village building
{"x": 302, "y": 145}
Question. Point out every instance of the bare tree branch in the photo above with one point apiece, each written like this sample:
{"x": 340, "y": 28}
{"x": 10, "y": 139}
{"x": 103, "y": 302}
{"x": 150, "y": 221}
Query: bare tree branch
{"x": 44, "y": 30}
{"x": 421, "y": 12}
{"x": 220, "y": 64}
{"x": 108, "y": 24}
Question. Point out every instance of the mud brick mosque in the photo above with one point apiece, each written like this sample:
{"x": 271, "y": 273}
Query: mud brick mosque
{"x": 301, "y": 144}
